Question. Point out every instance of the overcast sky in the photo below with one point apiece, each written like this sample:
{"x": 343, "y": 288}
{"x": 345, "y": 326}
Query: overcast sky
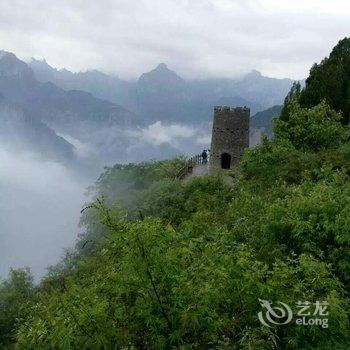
{"x": 197, "y": 38}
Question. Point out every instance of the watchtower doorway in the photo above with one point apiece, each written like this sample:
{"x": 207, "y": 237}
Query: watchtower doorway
{"x": 225, "y": 161}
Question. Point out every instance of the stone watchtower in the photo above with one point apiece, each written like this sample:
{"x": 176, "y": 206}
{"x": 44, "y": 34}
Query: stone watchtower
{"x": 230, "y": 136}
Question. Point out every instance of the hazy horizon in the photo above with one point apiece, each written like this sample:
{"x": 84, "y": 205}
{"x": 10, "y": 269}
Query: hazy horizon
{"x": 134, "y": 79}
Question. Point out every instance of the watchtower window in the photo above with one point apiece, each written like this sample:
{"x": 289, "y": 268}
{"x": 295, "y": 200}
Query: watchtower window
{"x": 225, "y": 161}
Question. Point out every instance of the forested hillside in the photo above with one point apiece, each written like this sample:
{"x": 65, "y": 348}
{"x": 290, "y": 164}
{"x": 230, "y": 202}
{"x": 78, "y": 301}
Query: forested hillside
{"x": 163, "y": 264}
{"x": 330, "y": 81}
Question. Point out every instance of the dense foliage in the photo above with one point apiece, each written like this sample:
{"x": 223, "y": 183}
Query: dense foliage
{"x": 330, "y": 81}
{"x": 169, "y": 264}
{"x": 16, "y": 294}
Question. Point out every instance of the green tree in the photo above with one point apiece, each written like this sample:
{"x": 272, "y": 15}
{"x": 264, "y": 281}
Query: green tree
{"x": 312, "y": 128}
{"x": 330, "y": 81}
{"x": 16, "y": 293}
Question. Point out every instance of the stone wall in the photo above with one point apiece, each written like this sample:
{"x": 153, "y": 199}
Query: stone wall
{"x": 230, "y": 136}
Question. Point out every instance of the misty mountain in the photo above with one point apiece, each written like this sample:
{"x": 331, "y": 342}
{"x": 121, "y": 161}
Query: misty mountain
{"x": 261, "y": 124}
{"x": 103, "y": 132}
{"x": 101, "y": 85}
{"x": 263, "y": 120}
{"x": 11, "y": 67}
{"x": 100, "y": 131}
{"x": 21, "y": 131}
{"x": 263, "y": 90}
{"x": 162, "y": 94}
{"x": 78, "y": 116}
{"x": 53, "y": 105}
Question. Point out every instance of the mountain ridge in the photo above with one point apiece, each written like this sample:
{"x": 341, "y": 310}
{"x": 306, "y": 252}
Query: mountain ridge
{"x": 75, "y": 113}
{"x": 162, "y": 94}
{"x": 20, "y": 130}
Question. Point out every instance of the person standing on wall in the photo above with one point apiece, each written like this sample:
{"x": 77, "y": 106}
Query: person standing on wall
{"x": 204, "y": 157}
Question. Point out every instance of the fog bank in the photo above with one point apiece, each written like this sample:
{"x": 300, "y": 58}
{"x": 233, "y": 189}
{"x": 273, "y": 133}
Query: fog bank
{"x": 40, "y": 206}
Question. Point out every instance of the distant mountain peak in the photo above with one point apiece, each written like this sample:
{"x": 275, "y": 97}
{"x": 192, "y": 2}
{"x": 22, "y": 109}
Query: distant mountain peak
{"x": 11, "y": 66}
{"x": 41, "y": 65}
{"x": 41, "y": 62}
{"x": 3, "y": 53}
{"x": 254, "y": 74}
{"x": 162, "y": 76}
{"x": 162, "y": 66}
{"x": 6, "y": 55}
{"x": 162, "y": 69}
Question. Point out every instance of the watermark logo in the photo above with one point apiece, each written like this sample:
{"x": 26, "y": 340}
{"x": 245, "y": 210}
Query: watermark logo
{"x": 307, "y": 314}
{"x": 274, "y": 315}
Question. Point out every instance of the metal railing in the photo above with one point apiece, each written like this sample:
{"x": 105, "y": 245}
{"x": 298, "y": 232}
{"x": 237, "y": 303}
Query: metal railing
{"x": 190, "y": 164}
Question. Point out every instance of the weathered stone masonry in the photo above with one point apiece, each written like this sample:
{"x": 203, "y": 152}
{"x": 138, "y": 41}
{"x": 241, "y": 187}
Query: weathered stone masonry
{"x": 230, "y": 136}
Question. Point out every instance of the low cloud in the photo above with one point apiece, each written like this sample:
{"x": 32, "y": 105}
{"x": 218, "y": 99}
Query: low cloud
{"x": 159, "y": 133}
{"x": 204, "y": 140}
{"x": 39, "y": 211}
{"x": 81, "y": 149}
